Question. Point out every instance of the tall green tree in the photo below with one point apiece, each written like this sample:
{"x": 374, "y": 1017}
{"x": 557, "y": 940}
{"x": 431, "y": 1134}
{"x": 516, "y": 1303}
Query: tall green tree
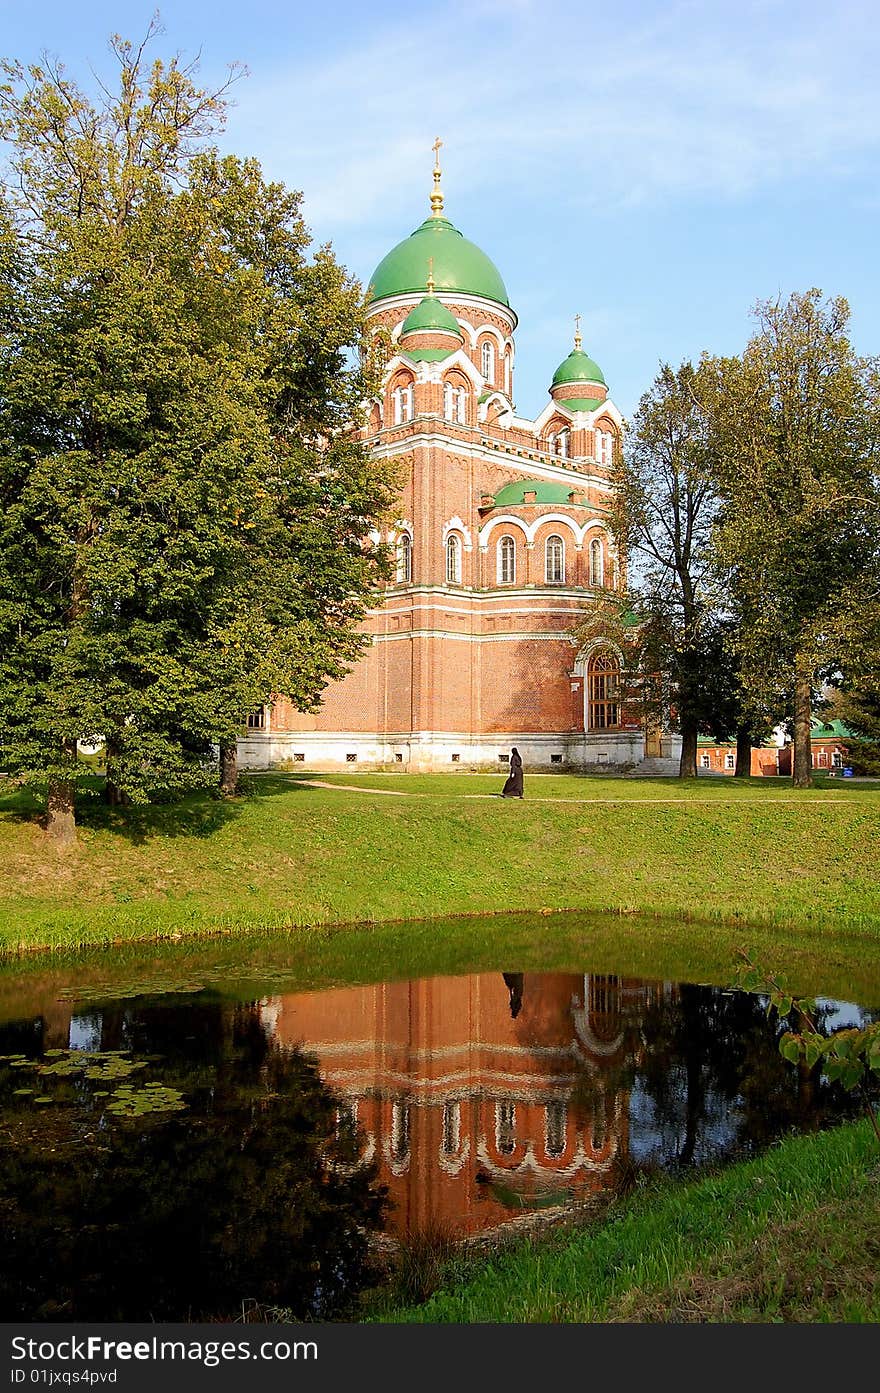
{"x": 795, "y": 435}
{"x": 185, "y": 507}
{"x": 855, "y": 695}
{"x": 664, "y": 509}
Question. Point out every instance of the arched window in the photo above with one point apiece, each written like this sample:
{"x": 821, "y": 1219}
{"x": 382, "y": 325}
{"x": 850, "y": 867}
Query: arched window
{"x": 505, "y": 1127}
{"x": 597, "y": 563}
{"x": 562, "y": 443}
{"x": 507, "y": 374}
{"x": 551, "y": 443}
{"x": 604, "y": 446}
{"x": 404, "y": 559}
{"x": 451, "y": 1128}
{"x": 506, "y": 561}
{"x": 402, "y": 403}
{"x": 488, "y": 361}
{"x": 400, "y": 1130}
{"x": 604, "y": 1007}
{"x": 555, "y": 1126}
{"x": 603, "y": 691}
{"x": 453, "y": 560}
{"x": 554, "y": 560}
{"x": 455, "y": 403}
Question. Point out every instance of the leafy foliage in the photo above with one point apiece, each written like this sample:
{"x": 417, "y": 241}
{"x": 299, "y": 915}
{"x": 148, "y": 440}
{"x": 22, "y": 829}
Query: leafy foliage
{"x": 795, "y": 436}
{"x": 665, "y": 506}
{"x": 185, "y": 508}
{"x": 848, "y": 1056}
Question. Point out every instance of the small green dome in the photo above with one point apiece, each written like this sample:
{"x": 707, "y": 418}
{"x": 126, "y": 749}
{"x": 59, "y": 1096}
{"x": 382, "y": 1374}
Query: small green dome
{"x": 578, "y": 368}
{"x": 430, "y": 316}
{"x": 457, "y": 265}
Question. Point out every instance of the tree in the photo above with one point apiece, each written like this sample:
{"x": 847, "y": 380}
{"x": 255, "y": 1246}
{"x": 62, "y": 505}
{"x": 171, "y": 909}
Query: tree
{"x": 665, "y": 506}
{"x": 855, "y": 695}
{"x": 185, "y": 507}
{"x": 795, "y": 435}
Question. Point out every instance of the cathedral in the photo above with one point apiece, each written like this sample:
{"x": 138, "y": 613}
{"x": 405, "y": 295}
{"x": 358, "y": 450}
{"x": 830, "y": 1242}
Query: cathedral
{"x": 502, "y": 545}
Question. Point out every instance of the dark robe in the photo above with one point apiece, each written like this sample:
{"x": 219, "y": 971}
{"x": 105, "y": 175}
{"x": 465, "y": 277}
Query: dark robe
{"x": 514, "y": 982}
{"x": 514, "y": 786}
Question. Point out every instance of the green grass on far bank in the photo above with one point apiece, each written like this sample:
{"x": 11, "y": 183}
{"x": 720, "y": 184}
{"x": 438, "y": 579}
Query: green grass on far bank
{"x": 790, "y": 1236}
{"x": 290, "y": 855}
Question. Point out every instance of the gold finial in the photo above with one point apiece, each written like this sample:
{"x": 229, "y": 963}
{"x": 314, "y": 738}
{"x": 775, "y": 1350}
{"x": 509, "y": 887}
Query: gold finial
{"x": 430, "y": 284}
{"x": 436, "y": 192}
{"x": 577, "y": 332}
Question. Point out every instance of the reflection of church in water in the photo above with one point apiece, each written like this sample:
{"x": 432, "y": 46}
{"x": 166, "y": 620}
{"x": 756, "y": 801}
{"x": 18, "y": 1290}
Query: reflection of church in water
{"x": 478, "y": 1097}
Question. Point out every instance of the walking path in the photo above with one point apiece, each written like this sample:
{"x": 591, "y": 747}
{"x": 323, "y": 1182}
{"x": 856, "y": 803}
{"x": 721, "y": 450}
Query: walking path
{"x": 838, "y": 799}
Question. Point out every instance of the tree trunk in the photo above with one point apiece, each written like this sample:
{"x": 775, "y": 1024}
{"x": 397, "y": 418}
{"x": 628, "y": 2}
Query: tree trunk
{"x": 687, "y": 767}
{"x": 743, "y": 753}
{"x": 803, "y": 703}
{"x": 61, "y": 812}
{"x": 229, "y": 769}
{"x": 114, "y": 796}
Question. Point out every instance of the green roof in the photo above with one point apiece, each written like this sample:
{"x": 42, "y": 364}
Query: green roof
{"x": 577, "y": 367}
{"x": 831, "y": 730}
{"x": 430, "y": 316}
{"x": 581, "y": 403}
{"x": 457, "y": 265}
{"x": 513, "y": 495}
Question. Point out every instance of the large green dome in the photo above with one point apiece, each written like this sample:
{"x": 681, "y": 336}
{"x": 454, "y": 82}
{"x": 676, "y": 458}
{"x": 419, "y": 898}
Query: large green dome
{"x": 458, "y": 265}
{"x": 578, "y": 367}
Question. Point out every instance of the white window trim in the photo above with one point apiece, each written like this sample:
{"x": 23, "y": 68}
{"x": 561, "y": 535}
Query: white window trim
{"x": 597, "y": 572}
{"x": 404, "y": 559}
{"x": 487, "y": 361}
{"x": 501, "y": 549}
{"x": 453, "y": 554}
{"x": 548, "y": 579}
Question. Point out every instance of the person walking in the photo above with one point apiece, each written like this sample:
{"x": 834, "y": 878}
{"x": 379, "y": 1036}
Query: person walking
{"x": 514, "y": 786}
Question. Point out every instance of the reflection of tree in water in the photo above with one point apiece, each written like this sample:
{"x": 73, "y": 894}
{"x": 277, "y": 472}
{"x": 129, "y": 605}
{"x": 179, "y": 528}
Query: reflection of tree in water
{"x": 240, "y": 1198}
{"x": 711, "y": 1080}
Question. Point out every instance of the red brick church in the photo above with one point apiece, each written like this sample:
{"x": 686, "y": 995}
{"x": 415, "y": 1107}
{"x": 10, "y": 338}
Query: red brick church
{"x": 502, "y": 544}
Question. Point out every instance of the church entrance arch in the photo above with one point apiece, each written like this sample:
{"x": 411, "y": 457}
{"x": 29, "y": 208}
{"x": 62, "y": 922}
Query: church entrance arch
{"x": 599, "y": 666}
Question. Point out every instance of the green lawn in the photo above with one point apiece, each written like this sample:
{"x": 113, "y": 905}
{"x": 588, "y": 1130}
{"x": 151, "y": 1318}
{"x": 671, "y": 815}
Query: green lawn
{"x": 290, "y": 855}
{"x": 790, "y": 1236}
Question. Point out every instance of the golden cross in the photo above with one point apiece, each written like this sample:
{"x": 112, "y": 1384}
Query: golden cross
{"x": 436, "y": 193}
{"x": 577, "y": 323}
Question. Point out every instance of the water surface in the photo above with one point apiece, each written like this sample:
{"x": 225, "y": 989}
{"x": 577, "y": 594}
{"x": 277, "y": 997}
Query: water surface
{"x": 175, "y": 1144}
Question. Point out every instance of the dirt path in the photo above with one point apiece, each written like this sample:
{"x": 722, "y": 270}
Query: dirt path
{"x": 836, "y": 799}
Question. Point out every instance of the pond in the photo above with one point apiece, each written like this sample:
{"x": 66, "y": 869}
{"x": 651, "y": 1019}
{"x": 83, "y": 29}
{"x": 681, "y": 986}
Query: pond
{"x": 178, "y": 1138}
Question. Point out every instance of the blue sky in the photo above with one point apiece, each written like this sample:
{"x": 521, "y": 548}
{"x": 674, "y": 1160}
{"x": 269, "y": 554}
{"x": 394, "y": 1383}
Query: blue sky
{"x": 656, "y": 167}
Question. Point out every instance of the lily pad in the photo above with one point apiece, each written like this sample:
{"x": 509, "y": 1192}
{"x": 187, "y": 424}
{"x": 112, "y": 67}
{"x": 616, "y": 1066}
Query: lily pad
{"x": 133, "y": 1103}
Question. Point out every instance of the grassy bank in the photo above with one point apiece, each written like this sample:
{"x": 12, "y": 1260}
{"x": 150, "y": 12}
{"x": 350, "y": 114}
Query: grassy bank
{"x": 290, "y": 855}
{"x": 791, "y": 1236}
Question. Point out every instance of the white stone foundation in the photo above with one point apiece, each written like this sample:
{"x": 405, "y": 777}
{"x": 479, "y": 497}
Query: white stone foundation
{"x": 435, "y": 752}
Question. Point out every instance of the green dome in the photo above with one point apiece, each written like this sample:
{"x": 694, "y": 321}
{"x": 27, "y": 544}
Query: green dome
{"x": 578, "y": 368}
{"x": 430, "y": 316}
{"x": 458, "y": 265}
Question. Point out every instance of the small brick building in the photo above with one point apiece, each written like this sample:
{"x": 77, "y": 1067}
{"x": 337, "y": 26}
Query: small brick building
{"x": 719, "y": 757}
{"x": 829, "y": 748}
{"x": 502, "y": 543}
